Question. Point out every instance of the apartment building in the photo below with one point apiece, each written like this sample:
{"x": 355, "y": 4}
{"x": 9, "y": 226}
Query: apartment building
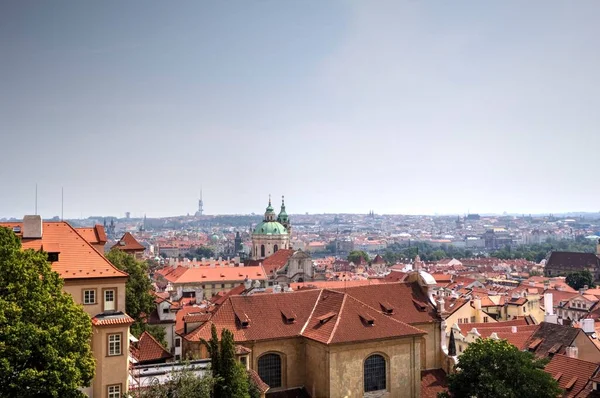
{"x": 94, "y": 283}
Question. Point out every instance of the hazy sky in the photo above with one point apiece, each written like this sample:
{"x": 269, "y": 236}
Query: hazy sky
{"x": 343, "y": 106}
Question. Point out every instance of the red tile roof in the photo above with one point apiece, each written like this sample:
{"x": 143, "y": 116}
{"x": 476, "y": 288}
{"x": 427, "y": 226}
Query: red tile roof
{"x": 147, "y": 349}
{"x": 255, "y": 378}
{"x": 112, "y": 319}
{"x": 433, "y": 382}
{"x": 209, "y": 275}
{"x": 77, "y": 257}
{"x": 574, "y": 373}
{"x": 277, "y": 260}
{"x": 325, "y": 315}
{"x": 128, "y": 243}
{"x": 95, "y": 235}
{"x": 335, "y": 284}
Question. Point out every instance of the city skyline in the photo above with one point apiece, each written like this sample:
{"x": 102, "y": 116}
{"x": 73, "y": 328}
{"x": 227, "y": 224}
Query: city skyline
{"x": 400, "y": 107}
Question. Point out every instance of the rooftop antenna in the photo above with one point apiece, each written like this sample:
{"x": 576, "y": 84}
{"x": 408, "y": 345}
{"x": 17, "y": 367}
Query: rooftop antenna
{"x": 36, "y": 198}
{"x": 62, "y": 203}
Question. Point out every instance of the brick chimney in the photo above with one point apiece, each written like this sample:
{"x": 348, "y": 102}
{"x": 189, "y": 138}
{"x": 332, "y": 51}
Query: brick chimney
{"x": 32, "y": 227}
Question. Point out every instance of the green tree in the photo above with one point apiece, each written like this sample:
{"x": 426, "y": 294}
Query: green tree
{"x": 44, "y": 334}
{"x": 138, "y": 290}
{"x": 231, "y": 378}
{"x": 233, "y": 374}
{"x": 201, "y": 252}
{"x": 579, "y": 279}
{"x": 495, "y": 368}
{"x": 355, "y": 256}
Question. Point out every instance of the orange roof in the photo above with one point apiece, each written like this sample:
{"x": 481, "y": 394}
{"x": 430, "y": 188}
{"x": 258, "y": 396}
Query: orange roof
{"x": 217, "y": 274}
{"x": 335, "y": 284}
{"x": 325, "y": 315}
{"x": 77, "y": 257}
{"x": 95, "y": 235}
{"x": 147, "y": 349}
{"x": 128, "y": 243}
{"x": 572, "y": 373}
{"x": 112, "y": 319}
{"x": 277, "y": 260}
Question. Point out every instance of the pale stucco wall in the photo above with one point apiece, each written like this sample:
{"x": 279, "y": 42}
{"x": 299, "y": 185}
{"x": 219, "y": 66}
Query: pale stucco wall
{"x": 293, "y": 359}
{"x": 317, "y": 368}
{"x": 403, "y": 370}
{"x": 114, "y": 369}
{"x": 76, "y": 287}
{"x": 432, "y": 341}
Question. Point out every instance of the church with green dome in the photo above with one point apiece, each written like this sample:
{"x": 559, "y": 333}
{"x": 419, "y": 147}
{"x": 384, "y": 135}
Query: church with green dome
{"x": 272, "y": 234}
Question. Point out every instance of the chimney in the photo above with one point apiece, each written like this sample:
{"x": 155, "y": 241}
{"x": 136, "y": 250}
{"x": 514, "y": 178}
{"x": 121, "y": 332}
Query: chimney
{"x": 513, "y": 329}
{"x": 572, "y": 352}
{"x": 588, "y": 325}
{"x": 441, "y": 307}
{"x": 198, "y": 293}
{"x": 477, "y": 303}
{"x": 32, "y": 227}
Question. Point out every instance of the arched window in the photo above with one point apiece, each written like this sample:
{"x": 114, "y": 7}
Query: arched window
{"x": 262, "y": 250}
{"x": 374, "y": 373}
{"x": 269, "y": 369}
{"x": 275, "y": 248}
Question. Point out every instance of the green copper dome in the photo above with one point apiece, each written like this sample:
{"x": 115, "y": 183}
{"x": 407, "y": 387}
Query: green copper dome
{"x": 270, "y": 228}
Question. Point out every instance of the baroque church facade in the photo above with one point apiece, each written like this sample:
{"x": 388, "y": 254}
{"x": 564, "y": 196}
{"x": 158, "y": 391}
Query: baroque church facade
{"x": 272, "y": 234}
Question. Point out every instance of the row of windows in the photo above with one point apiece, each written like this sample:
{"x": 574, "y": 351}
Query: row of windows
{"x": 374, "y": 371}
{"x": 109, "y": 299}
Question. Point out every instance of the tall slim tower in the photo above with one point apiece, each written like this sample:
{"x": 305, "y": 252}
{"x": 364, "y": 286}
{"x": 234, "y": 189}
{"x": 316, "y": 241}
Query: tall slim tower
{"x": 200, "y": 205}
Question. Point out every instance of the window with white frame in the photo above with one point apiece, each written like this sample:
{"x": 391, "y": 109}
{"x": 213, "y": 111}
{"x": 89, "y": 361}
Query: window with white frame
{"x": 114, "y": 344}
{"x": 109, "y": 300}
{"x": 89, "y": 296}
{"x": 114, "y": 391}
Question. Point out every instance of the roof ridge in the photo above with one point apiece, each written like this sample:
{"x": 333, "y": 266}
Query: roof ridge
{"x": 94, "y": 249}
{"x": 577, "y": 359}
{"x": 339, "y": 316}
{"x": 156, "y": 341}
{"x": 311, "y": 313}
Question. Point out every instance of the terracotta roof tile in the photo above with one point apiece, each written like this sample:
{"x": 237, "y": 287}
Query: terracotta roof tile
{"x": 277, "y": 260}
{"x": 554, "y": 338}
{"x": 147, "y": 349}
{"x": 77, "y": 259}
{"x": 112, "y": 319}
{"x": 128, "y": 243}
{"x": 218, "y": 274}
{"x": 95, "y": 235}
{"x": 574, "y": 373}
{"x": 433, "y": 382}
{"x": 257, "y": 381}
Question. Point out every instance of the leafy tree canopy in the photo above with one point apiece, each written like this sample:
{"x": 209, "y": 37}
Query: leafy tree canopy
{"x": 200, "y": 252}
{"x": 579, "y": 279}
{"x": 355, "y": 256}
{"x": 44, "y": 334}
{"x": 138, "y": 296}
{"x": 495, "y": 368}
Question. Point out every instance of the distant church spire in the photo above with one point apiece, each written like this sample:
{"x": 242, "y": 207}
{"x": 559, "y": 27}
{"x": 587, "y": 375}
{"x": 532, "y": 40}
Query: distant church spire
{"x": 200, "y": 205}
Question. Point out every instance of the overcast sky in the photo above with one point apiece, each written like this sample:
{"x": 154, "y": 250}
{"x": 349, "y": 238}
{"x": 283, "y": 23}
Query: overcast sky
{"x": 343, "y": 106}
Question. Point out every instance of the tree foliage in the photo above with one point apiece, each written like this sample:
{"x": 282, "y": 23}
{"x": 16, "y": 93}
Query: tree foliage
{"x": 577, "y": 280}
{"x": 200, "y": 252}
{"x": 44, "y": 335}
{"x": 138, "y": 297}
{"x": 495, "y": 368}
{"x": 355, "y": 256}
{"x": 231, "y": 378}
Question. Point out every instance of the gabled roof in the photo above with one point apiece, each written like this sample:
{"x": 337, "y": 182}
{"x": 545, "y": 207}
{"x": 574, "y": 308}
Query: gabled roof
{"x": 572, "y": 261}
{"x": 147, "y": 349}
{"x": 77, "y": 257}
{"x": 554, "y": 338}
{"x": 325, "y": 315}
{"x": 277, "y": 260}
{"x": 573, "y": 374}
{"x": 128, "y": 243}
